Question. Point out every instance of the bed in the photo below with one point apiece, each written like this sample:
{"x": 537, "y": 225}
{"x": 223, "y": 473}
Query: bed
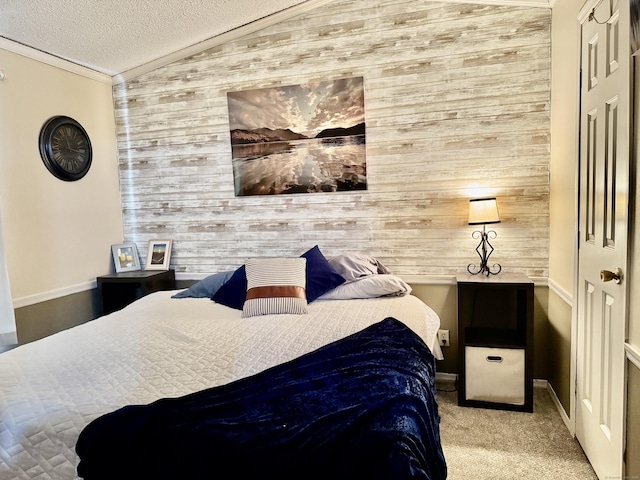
{"x": 165, "y": 348}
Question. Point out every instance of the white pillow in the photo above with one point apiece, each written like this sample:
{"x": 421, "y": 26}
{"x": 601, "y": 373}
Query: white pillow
{"x": 275, "y": 285}
{"x": 384, "y": 285}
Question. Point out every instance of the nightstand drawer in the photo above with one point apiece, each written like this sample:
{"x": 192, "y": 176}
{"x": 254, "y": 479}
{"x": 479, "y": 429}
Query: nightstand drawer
{"x": 495, "y": 375}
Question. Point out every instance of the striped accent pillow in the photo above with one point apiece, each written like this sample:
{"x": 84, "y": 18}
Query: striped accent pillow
{"x": 275, "y": 285}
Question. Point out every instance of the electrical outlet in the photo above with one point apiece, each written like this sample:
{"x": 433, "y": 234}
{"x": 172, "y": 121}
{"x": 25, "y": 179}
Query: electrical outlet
{"x": 443, "y": 338}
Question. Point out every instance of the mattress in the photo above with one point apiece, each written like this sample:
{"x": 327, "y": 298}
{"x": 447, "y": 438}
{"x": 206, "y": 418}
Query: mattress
{"x": 155, "y": 348}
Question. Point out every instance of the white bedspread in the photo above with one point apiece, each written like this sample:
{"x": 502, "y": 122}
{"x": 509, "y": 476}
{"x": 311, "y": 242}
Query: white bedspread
{"x": 157, "y": 347}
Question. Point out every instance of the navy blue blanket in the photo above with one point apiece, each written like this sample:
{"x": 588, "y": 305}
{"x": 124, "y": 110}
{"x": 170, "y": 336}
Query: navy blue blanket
{"x": 362, "y": 407}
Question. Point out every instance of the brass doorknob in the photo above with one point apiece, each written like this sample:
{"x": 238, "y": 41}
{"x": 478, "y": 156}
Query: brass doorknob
{"x": 607, "y": 276}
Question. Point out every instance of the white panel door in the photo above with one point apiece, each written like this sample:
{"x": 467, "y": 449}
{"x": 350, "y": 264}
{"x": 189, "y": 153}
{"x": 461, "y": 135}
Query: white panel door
{"x": 604, "y": 184}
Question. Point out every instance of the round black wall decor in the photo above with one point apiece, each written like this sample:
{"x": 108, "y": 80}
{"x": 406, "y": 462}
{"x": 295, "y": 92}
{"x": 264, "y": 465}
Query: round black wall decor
{"x": 65, "y": 148}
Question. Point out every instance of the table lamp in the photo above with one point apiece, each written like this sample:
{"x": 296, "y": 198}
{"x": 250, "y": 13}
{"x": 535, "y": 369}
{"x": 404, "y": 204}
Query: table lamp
{"x": 483, "y": 211}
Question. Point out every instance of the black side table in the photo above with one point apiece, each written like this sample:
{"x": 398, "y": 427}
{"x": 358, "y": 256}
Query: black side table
{"x": 495, "y": 341}
{"x": 117, "y": 290}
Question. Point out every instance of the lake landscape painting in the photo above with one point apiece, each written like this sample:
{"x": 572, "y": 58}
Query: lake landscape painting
{"x": 306, "y": 138}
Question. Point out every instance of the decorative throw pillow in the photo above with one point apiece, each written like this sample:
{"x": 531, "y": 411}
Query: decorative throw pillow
{"x": 275, "y": 285}
{"x": 321, "y": 276}
{"x": 234, "y": 291}
{"x": 205, "y": 288}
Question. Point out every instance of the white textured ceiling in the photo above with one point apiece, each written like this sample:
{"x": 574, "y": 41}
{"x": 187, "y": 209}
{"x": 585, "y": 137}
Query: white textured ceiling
{"x": 114, "y": 36}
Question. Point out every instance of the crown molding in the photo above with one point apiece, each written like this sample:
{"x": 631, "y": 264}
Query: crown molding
{"x": 53, "y": 61}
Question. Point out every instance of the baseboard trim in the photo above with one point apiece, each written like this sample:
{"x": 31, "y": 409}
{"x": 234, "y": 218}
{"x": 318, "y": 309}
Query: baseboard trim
{"x": 53, "y": 294}
{"x": 540, "y": 383}
{"x": 453, "y": 377}
{"x": 560, "y": 408}
{"x": 446, "y": 377}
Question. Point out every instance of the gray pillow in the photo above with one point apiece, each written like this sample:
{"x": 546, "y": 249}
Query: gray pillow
{"x": 372, "y": 286}
{"x": 205, "y": 288}
{"x": 353, "y": 266}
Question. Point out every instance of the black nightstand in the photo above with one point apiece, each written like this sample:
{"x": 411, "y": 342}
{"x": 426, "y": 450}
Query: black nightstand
{"x": 495, "y": 341}
{"x": 117, "y": 290}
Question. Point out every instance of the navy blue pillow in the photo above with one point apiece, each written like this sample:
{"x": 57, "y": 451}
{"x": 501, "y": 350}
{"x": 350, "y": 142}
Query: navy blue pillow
{"x": 234, "y": 291}
{"x": 321, "y": 276}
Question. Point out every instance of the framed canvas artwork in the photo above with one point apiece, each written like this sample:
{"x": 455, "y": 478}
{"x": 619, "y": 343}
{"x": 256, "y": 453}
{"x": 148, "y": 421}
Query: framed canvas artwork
{"x": 306, "y": 138}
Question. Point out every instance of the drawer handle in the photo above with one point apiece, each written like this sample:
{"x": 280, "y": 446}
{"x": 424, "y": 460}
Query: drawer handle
{"x": 494, "y": 358}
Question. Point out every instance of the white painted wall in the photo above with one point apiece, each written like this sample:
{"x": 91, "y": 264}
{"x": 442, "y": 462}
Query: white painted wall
{"x": 564, "y": 143}
{"x": 57, "y": 234}
{"x": 563, "y": 191}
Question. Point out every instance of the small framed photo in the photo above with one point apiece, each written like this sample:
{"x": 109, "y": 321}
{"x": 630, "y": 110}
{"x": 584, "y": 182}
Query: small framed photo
{"x": 159, "y": 255}
{"x": 125, "y": 257}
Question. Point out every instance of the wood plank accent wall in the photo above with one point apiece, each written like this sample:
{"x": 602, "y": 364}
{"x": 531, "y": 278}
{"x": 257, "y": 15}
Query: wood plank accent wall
{"x": 457, "y": 105}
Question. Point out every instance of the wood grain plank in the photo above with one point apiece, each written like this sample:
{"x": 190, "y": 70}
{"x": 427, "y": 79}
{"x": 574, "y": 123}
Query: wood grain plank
{"x": 457, "y": 102}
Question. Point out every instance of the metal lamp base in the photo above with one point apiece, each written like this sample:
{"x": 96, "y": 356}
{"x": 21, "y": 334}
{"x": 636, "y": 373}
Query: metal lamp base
{"x": 484, "y": 249}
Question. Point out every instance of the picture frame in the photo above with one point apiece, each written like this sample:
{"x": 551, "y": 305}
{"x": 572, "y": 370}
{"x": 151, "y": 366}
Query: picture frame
{"x": 125, "y": 257}
{"x": 158, "y": 255}
{"x": 293, "y": 129}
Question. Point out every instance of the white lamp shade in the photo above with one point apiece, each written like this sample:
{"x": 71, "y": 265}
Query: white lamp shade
{"x": 483, "y": 211}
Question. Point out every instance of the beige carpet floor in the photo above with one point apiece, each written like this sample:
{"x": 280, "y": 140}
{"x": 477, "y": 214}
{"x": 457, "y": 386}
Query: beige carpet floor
{"x": 486, "y": 444}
